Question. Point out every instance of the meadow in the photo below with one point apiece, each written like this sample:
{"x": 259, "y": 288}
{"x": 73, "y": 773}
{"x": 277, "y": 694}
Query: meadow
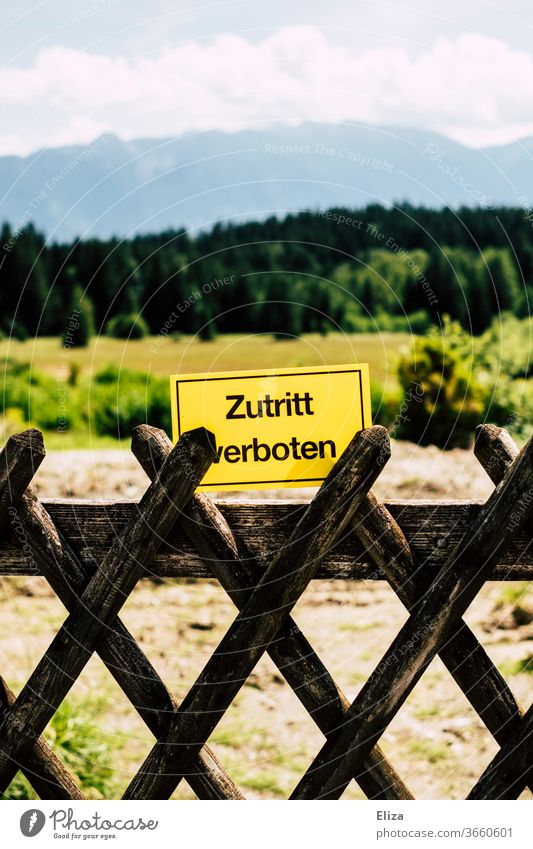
{"x": 72, "y": 377}
{"x": 167, "y": 355}
{"x": 265, "y": 740}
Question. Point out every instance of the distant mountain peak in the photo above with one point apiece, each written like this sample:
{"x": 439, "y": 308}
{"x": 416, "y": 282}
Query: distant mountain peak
{"x": 120, "y": 187}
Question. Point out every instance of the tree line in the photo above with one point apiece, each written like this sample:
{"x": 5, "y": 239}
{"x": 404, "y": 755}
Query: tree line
{"x": 375, "y": 268}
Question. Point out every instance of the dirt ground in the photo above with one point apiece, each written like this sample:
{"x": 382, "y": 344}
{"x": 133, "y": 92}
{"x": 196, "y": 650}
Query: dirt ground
{"x": 266, "y": 740}
{"x": 412, "y": 472}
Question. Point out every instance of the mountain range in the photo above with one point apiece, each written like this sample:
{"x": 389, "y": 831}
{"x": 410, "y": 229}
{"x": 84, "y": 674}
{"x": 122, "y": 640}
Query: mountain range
{"x": 115, "y": 187}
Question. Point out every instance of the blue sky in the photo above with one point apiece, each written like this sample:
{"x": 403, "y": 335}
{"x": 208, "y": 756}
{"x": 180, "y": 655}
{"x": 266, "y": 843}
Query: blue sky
{"x": 70, "y": 71}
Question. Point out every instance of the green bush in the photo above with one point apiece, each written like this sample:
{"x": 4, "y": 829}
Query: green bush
{"x": 381, "y": 322}
{"x": 385, "y": 404}
{"x": 40, "y": 398}
{"x": 127, "y": 326}
{"x": 119, "y": 400}
{"x": 510, "y": 405}
{"x": 443, "y": 400}
{"x": 81, "y": 325}
{"x": 506, "y": 347}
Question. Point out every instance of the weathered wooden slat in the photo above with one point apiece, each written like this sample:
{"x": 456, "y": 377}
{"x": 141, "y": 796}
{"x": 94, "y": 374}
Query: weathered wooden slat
{"x": 495, "y": 449}
{"x": 20, "y": 458}
{"x": 117, "y": 648}
{"x": 295, "y": 658}
{"x": 216, "y": 543}
{"x": 432, "y": 528}
{"x": 262, "y": 614}
{"x": 511, "y": 768}
{"x": 47, "y": 775}
{"x": 437, "y": 615}
{"x": 102, "y": 599}
{"x": 462, "y": 654}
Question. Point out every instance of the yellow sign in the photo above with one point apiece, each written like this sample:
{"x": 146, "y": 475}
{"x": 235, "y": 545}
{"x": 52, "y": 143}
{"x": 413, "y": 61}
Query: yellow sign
{"x": 274, "y": 428}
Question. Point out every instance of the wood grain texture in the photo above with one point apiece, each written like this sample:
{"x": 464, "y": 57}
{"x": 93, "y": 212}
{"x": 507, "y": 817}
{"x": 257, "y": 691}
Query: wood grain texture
{"x": 236, "y": 568}
{"x": 511, "y": 768}
{"x": 21, "y": 456}
{"x": 495, "y": 449}
{"x": 47, "y": 775}
{"x": 421, "y": 549}
{"x": 437, "y": 616}
{"x": 432, "y": 528}
{"x": 263, "y": 613}
{"x": 102, "y": 599}
{"x": 463, "y": 655}
{"x": 19, "y": 459}
{"x": 117, "y": 648}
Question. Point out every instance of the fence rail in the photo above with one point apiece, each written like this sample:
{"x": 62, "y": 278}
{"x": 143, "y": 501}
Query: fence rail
{"x": 436, "y": 556}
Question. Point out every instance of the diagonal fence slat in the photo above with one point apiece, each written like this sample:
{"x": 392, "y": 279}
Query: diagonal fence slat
{"x": 295, "y": 658}
{"x": 118, "y": 650}
{"x": 426, "y": 630}
{"x": 262, "y": 614}
{"x": 512, "y": 767}
{"x": 102, "y": 599}
{"x": 19, "y": 460}
{"x": 46, "y": 773}
{"x": 264, "y": 622}
{"x": 462, "y": 653}
{"x": 511, "y": 770}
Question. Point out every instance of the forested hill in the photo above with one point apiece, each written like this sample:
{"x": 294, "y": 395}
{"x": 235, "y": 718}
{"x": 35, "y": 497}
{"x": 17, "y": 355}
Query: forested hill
{"x": 351, "y": 269}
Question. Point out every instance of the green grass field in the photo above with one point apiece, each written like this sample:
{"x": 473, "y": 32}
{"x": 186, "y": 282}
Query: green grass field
{"x": 232, "y": 352}
{"x": 164, "y": 356}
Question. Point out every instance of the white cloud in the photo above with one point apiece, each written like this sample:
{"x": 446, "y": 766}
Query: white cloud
{"x": 475, "y": 89}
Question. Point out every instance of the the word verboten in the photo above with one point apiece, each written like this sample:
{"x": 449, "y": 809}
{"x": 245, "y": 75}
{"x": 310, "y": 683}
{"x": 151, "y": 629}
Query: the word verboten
{"x": 273, "y": 428}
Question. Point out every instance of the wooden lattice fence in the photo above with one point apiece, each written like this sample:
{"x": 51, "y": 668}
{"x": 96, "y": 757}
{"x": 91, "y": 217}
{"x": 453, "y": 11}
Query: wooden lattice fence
{"x": 436, "y": 556}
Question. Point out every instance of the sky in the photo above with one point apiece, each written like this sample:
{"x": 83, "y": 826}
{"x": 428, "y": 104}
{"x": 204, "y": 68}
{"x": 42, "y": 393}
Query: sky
{"x": 71, "y": 71}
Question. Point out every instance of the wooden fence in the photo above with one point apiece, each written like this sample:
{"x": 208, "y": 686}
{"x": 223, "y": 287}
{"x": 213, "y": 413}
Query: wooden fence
{"x": 435, "y": 556}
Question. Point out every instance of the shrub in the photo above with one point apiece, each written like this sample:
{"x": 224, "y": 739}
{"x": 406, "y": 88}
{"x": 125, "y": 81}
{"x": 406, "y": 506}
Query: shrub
{"x": 510, "y": 405}
{"x": 381, "y": 322}
{"x": 33, "y": 393}
{"x": 443, "y": 400}
{"x": 119, "y": 400}
{"x": 127, "y": 326}
{"x": 81, "y": 324}
{"x": 506, "y": 346}
{"x": 385, "y": 404}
